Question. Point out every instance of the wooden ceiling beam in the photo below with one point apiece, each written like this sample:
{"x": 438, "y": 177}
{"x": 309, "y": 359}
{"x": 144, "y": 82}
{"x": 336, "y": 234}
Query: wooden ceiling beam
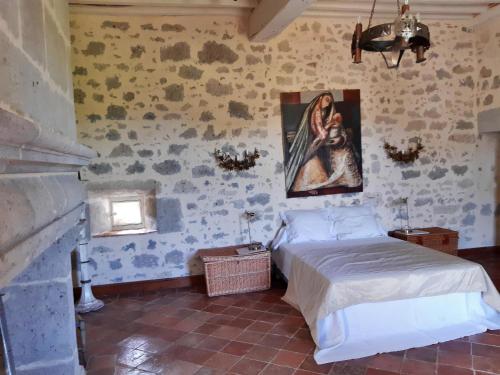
{"x": 158, "y": 11}
{"x": 391, "y": 8}
{"x": 271, "y": 17}
{"x": 389, "y": 17}
{"x": 250, "y": 4}
{"x": 415, "y": 2}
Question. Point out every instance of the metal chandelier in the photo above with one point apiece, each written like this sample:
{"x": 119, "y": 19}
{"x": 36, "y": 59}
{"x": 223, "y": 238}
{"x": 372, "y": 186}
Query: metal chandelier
{"x": 392, "y": 39}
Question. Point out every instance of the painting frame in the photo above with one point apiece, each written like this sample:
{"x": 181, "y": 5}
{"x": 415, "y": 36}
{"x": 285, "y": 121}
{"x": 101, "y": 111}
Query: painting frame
{"x": 322, "y": 150}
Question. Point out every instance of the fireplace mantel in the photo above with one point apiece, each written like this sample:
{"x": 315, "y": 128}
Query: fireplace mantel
{"x": 26, "y": 147}
{"x": 39, "y": 188}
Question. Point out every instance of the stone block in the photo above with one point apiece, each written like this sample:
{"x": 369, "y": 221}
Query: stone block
{"x": 57, "y": 53}
{"x": 41, "y": 321}
{"x": 31, "y": 203}
{"x": 27, "y": 93}
{"x": 59, "y": 369}
{"x": 169, "y": 215}
{"x": 61, "y": 9}
{"x": 55, "y": 262}
{"x": 32, "y": 26}
{"x": 9, "y": 13}
{"x": 488, "y": 120}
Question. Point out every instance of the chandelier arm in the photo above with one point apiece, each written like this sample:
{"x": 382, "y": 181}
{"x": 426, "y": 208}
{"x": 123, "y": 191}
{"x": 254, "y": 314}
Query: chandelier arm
{"x": 399, "y": 8}
{"x": 372, "y": 12}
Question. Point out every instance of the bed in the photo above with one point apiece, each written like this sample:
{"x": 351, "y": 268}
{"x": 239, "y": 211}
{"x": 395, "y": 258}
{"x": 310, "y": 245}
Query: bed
{"x": 365, "y": 296}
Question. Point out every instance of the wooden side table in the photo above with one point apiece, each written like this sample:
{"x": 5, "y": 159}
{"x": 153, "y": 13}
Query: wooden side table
{"x": 226, "y": 272}
{"x": 440, "y": 239}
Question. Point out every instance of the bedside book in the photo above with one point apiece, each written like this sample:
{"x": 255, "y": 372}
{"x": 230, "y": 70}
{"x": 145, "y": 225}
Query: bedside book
{"x": 414, "y": 232}
{"x": 242, "y": 251}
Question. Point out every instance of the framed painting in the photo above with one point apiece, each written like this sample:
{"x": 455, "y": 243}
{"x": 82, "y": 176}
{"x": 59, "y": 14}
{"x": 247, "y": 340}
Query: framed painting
{"x": 322, "y": 142}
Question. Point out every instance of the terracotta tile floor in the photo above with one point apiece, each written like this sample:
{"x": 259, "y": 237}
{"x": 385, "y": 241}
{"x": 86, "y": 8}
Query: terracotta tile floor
{"x": 184, "y": 332}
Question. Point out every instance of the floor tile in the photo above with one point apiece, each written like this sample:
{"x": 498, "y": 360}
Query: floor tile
{"x": 102, "y": 362}
{"x": 260, "y": 326}
{"x": 222, "y": 361}
{"x": 262, "y": 353}
{"x": 456, "y": 346}
{"x": 347, "y": 369}
{"x": 213, "y": 343}
{"x": 486, "y": 350}
{"x": 485, "y": 338}
{"x": 422, "y": 354}
{"x": 248, "y": 366}
{"x": 310, "y": 364}
{"x": 251, "y": 337}
{"x": 416, "y": 367}
{"x": 237, "y": 348}
{"x": 487, "y": 364}
{"x": 450, "y": 370}
{"x": 206, "y": 328}
{"x": 271, "y": 369}
{"x": 191, "y": 339}
{"x": 299, "y": 345}
{"x": 386, "y": 362}
{"x": 227, "y": 332}
{"x": 274, "y": 341}
{"x": 289, "y": 359}
{"x": 195, "y": 355}
{"x": 456, "y": 359}
{"x": 374, "y": 371}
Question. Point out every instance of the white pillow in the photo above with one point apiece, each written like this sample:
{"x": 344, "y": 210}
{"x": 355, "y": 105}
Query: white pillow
{"x": 355, "y": 227}
{"x": 351, "y": 211}
{"x": 280, "y": 238}
{"x": 307, "y": 225}
{"x": 352, "y": 222}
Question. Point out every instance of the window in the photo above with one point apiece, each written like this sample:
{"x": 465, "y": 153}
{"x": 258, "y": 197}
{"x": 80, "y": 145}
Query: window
{"x": 119, "y": 208}
{"x": 127, "y": 213}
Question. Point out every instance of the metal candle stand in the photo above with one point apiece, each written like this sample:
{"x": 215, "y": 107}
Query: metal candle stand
{"x": 87, "y": 301}
{"x": 8, "y": 361}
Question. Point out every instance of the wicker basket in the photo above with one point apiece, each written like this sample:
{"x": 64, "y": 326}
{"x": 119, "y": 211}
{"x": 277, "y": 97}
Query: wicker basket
{"x": 237, "y": 274}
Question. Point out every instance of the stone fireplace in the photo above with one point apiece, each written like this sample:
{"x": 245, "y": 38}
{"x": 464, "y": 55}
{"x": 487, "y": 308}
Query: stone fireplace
{"x": 41, "y": 198}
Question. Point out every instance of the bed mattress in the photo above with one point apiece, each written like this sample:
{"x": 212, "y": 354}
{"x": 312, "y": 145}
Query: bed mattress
{"x": 407, "y": 289}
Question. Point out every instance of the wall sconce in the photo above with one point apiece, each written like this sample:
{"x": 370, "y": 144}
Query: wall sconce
{"x": 404, "y": 156}
{"x": 231, "y": 163}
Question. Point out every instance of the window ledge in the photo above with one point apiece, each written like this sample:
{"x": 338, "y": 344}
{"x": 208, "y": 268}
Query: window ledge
{"x": 124, "y": 232}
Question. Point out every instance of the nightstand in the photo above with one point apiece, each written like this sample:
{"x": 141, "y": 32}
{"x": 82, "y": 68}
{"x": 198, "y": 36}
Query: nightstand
{"x": 440, "y": 239}
{"x": 227, "y": 272}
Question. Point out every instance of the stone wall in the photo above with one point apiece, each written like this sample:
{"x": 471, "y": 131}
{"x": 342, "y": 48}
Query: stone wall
{"x": 41, "y": 198}
{"x": 155, "y": 95}
{"x": 488, "y": 96}
{"x": 488, "y": 83}
{"x": 36, "y": 84}
{"x": 40, "y": 314}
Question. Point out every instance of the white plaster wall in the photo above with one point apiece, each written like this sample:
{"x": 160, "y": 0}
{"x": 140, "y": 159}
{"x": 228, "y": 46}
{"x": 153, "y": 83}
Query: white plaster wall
{"x": 169, "y": 137}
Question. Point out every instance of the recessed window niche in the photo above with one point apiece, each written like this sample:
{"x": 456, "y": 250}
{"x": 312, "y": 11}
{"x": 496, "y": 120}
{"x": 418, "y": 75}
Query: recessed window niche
{"x": 124, "y": 207}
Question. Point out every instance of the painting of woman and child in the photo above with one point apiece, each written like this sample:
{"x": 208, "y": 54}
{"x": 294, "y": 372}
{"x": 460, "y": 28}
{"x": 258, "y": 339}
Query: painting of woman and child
{"x": 322, "y": 142}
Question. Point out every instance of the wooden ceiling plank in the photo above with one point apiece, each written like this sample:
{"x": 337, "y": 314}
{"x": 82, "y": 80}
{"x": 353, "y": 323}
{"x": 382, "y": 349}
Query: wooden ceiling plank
{"x": 271, "y": 17}
{"x": 413, "y": 2}
{"x": 424, "y": 9}
{"x": 389, "y": 17}
{"x": 171, "y": 3}
{"x": 158, "y": 11}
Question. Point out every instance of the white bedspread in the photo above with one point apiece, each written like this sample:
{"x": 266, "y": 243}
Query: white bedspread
{"x": 331, "y": 277}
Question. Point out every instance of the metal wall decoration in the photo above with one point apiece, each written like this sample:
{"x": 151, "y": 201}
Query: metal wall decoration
{"x": 409, "y": 155}
{"x": 393, "y": 39}
{"x": 232, "y": 163}
{"x": 322, "y": 142}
